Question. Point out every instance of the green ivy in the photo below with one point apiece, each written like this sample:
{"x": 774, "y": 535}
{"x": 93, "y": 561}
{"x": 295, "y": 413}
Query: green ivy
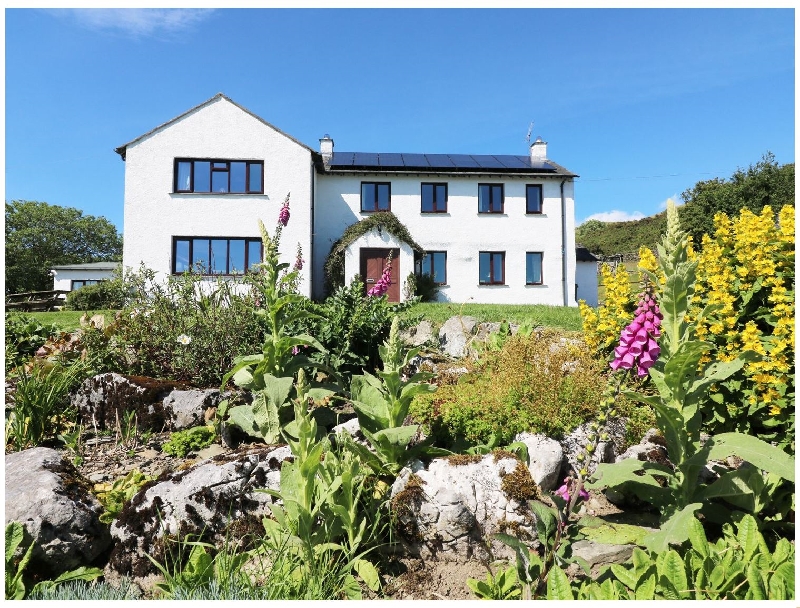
{"x": 385, "y": 220}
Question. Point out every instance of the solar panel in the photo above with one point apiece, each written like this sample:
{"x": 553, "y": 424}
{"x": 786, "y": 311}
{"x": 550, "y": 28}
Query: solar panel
{"x": 515, "y": 162}
{"x": 542, "y": 166}
{"x": 416, "y": 161}
{"x": 440, "y": 161}
{"x": 342, "y": 159}
{"x": 390, "y": 159}
{"x": 486, "y": 161}
{"x": 464, "y": 161}
{"x": 365, "y": 159}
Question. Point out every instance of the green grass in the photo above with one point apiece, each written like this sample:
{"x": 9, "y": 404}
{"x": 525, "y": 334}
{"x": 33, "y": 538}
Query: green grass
{"x": 550, "y": 316}
{"x": 68, "y": 320}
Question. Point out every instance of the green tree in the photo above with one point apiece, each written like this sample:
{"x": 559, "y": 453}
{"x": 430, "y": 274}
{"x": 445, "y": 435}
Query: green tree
{"x": 765, "y": 183}
{"x": 40, "y": 236}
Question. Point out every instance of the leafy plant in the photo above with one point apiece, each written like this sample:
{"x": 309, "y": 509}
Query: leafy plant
{"x": 24, "y": 335}
{"x": 82, "y": 591}
{"x": 111, "y": 294}
{"x": 382, "y": 404}
{"x": 319, "y": 520}
{"x": 739, "y": 565}
{"x": 182, "y": 442}
{"x": 40, "y": 409}
{"x": 501, "y": 586}
{"x": 682, "y": 382}
{"x": 114, "y": 496}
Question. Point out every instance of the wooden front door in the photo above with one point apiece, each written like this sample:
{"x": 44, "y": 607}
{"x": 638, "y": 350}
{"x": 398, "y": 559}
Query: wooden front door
{"x": 373, "y": 261}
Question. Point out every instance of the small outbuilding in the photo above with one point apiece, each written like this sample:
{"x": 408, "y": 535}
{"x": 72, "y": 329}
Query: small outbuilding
{"x": 586, "y": 276}
{"x": 70, "y": 277}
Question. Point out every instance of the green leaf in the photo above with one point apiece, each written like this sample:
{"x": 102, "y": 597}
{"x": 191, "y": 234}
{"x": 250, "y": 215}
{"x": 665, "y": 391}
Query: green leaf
{"x": 366, "y": 570}
{"x": 738, "y": 487}
{"x": 750, "y": 538}
{"x": 617, "y": 534}
{"x": 697, "y": 537}
{"x": 625, "y": 576}
{"x": 756, "y": 590}
{"x": 646, "y": 589}
{"x": 673, "y": 531}
{"x": 755, "y": 451}
{"x": 672, "y": 575}
{"x": 782, "y": 577}
{"x": 558, "y": 587}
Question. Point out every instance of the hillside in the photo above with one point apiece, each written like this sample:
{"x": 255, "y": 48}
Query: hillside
{"x": 610, "y": 238}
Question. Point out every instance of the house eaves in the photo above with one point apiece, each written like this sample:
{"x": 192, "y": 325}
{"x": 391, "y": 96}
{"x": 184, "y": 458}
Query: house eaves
{"x": 121, "y": 150}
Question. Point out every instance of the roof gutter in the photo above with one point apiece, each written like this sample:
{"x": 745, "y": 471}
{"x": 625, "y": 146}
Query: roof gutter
{"x": 564, "y": 245}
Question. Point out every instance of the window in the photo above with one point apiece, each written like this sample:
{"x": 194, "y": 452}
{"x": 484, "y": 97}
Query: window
{"x": 533, "y": 198}
{"x": 435, "y": 264}
{"x": 214, "y": 255}
{"x": 490, "y": 198}
{"x": 434, "y": 198}
{"x": 492, "y": 266}
{"x": 219, "y": 176}
{"x": 376, "y": 196}
{"x": 77, "y": 284}
{"x": 533, "y": 268}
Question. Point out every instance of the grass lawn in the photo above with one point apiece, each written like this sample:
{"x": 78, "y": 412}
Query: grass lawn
{"x": 550, "y": 316}
{"x": 68, "y": 320}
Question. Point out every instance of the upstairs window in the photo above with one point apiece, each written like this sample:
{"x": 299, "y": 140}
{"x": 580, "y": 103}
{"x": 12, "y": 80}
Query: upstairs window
{"x": 533, "y": 268}
{"x": 219, "y": 176}
{"x": 434, "y": 198}
{"x": 533, "y": 198}
{"x": 376, "y": 196}
{"x": 215, "y": 255}
{"x": 492, "y": 267}
{"x": 434, "y": 263}
{"x": 490, "y": 198}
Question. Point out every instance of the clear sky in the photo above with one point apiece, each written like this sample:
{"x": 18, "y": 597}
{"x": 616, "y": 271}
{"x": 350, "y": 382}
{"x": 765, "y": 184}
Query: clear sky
{"x": 641, "y": 103}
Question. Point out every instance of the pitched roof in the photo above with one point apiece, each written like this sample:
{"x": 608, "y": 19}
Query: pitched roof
{"x": 582, "y": 254}
{"x": 121, "y": 150}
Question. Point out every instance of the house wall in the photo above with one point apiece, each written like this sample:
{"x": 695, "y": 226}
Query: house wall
{"x": 154, "y": 214}
{"x": 62, "y": 279}
{"x": 463, "y": 232}
{"x": 586, "y": 280}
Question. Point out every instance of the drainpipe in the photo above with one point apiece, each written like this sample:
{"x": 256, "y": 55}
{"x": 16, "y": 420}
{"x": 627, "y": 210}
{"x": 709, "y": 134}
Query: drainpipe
{"x": 564, "y": 244}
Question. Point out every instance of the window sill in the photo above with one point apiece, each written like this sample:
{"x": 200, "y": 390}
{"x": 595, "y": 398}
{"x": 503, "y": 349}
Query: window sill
{"x": 363, "y": 212}
{"x": 203, "y": 194}
{"x": 434, "y": 213}
{"x": 493, "y": 285}
{"x": 539, "y": 214}
{"x": 493, "y": 213}
{"x": 535, "y": 284}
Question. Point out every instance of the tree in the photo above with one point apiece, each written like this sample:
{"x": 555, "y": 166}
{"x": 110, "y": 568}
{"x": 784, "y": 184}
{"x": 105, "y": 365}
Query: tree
{"x": 765, "y": 183}
{"x": 40, "y": 236}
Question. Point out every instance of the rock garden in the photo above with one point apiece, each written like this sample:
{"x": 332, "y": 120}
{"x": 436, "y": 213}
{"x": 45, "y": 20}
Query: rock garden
{"x": 242, "y": 442}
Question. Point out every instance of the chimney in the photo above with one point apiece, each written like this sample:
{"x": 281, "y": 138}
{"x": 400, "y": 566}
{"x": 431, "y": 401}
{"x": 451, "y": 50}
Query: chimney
{"x": 538, "y": 151}
{"x": 326, "y": 148}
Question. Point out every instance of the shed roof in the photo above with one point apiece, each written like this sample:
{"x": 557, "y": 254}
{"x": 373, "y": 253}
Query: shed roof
{"x": 88, "y": 266}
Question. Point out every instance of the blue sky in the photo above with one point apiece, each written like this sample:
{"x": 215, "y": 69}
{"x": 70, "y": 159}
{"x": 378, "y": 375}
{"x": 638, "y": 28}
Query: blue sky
{"x": 641, "y": 103}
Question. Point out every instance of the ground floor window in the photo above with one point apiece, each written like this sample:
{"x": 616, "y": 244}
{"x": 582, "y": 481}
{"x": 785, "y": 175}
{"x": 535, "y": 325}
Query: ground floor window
{"x": 533, "y": 268}
{"x": 215, "y": 255}
{"x": 434, "y": 263}
{"x": 77, "y": 284}
{"x": 491, "y": 267}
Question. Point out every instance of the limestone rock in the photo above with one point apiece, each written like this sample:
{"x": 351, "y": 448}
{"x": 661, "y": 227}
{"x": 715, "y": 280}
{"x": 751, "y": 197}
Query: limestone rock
{"x": 545, "y": 457}
{"x": 46, "y": 494}
{"x": 451, "y": 509}
{"x": 418, "y": 335}
{"x": 187, "y": 407}
{"x": 455, "y": 335}
{"x": 203, "y": 501}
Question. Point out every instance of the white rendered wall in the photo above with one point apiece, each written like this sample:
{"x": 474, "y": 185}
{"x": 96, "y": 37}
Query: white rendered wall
{"x": 352, "y": 256}
{"x": 220, "y": 129}
{"x": 586, "y": 279}
{"x": 62, "y": 279}
{"x": 463, "y": 232}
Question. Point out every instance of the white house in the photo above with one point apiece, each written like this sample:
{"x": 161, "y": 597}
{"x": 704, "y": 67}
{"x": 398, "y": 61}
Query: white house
{"x": 70, "y": 277}
{"x": 494, "y": 229}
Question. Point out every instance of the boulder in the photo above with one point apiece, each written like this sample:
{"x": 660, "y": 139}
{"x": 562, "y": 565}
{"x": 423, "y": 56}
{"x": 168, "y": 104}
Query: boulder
{"x": 451, "y": 509}
{"x": 103, "y": 401}
{"x": 455, "y": 335}
{"x": 46, "y": 494}
{"x": 545, "y": 457}
{"x": 420, "y": 334}
{"x": 214, "y": 500}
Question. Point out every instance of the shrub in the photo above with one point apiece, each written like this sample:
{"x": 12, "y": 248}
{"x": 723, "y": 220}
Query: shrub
{"x": 105, "y": 295}
{"x": 426, "y": 288}
{"x": 24, "y": 336}
{"x": 747, "y": 269}
{"x": 182, "y": 442}
{"x": 539, "y": 383}
{"x": 351, "y": 326}
{"x": 186, "y": 329}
